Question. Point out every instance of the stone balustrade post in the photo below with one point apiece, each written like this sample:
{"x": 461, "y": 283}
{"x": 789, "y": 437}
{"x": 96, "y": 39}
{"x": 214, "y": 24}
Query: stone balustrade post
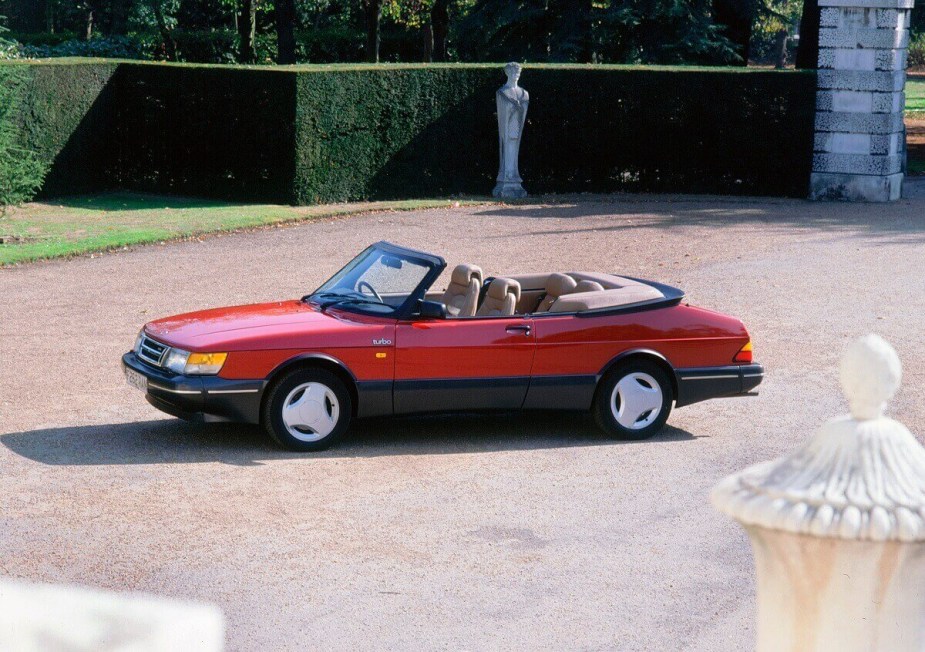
{"x": 859, "y": 137}
{"x": 838, "y": 526}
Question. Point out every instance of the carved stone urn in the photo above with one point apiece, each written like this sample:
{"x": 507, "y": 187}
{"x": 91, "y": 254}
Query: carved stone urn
{"x": 838, "y": 526}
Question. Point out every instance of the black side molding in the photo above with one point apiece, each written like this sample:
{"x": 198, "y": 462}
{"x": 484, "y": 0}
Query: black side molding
{"x": 697, "y": 384}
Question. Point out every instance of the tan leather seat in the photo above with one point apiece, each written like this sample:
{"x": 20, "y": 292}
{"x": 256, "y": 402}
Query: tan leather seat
{"x": 501, "y": 298}
{"x": 588, "y": 286}
{"x": 556, "y": 286}
{"x": 462, "y": 294}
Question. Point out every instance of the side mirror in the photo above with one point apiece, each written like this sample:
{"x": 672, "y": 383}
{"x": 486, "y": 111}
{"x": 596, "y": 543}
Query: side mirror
{"x": 432, "y": 310}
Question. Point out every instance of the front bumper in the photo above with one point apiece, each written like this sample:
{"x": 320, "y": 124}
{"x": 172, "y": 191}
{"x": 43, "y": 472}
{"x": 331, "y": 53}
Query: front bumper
{"x": 701, "y": 383}
{"x": 199, "y": 397}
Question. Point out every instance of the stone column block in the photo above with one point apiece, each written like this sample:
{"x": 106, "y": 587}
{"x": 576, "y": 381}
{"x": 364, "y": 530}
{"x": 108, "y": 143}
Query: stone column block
{"x": 860, "y": 100}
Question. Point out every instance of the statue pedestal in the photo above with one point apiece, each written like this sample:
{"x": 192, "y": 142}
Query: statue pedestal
{"x": 509, "y": 190}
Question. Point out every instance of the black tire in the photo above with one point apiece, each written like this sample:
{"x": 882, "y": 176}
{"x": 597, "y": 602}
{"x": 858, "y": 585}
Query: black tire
{"x": 280, "y": 391}
{"x": 604, "y": 400}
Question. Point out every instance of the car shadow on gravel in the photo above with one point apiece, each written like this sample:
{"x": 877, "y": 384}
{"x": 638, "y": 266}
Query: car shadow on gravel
{"x": 178, "y": 442}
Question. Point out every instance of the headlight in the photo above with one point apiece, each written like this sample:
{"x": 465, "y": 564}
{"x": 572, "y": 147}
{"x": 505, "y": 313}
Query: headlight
{"x": 194, "y": 364}
{"x": 205, "y": 364}
{"x": 137, "y": 346}
{"x": 176, "y": 360}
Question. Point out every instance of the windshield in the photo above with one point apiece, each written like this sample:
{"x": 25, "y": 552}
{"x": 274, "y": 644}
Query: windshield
{"x": 377, "y": 281}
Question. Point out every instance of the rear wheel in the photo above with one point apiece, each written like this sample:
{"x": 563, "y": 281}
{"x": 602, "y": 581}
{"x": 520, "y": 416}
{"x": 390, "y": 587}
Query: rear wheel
{"x": 307, "y": 410}
{"x": 634, "y": 400}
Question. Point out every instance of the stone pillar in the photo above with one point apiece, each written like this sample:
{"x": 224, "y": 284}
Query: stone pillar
{"x": 857, "y": 153}
{"x": 838, "y": 526}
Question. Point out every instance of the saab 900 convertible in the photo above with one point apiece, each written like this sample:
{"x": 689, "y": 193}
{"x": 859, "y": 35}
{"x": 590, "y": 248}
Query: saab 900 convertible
{"x": 376, "y": 340}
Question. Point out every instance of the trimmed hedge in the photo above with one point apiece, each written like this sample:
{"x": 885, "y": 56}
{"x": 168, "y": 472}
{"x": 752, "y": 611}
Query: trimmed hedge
{"x": 308, "y": 134}
{"x": 21, "y": 170}
{"x": 55, "y": 129}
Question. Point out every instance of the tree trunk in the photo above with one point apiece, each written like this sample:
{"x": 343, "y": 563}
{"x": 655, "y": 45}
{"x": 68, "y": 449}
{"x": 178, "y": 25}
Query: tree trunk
{"x": 440, "y": 25}
{"x": 88, "y": 34}
{"x": 170, "y": 47}
{"x": 285, "y": 31}
{"x": 247, "y": 30}
{"x": 428, "y": 32}
{"x": 373, "y": 10}
{"x": 50, "y": 16}
{"x": 808, "y": 48}
{"x": 736, "y": 17}
{"x": 780, "y": 46}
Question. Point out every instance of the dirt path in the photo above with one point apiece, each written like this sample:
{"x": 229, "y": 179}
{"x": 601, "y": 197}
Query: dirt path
{"x": 498, "y": 532}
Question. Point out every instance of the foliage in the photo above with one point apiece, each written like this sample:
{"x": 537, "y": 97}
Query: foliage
{"x": 651, "y": 31}
{"x": 772, "y": 18}
{"x": 114, "y": 47}
{"x": 21, "y": 171}
{"x": 311, "y": 134}
{"x": 631, "y": 31}
{"x": 916, "y": 51}
{"x": 8, "y": 49}
{"x": 64, "y": 113}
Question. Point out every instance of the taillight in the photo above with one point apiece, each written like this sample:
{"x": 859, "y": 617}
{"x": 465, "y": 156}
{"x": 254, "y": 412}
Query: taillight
{"x": 744, "y": 356}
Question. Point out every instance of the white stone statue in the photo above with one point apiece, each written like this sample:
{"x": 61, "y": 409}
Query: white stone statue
{"x": 512, "y": 103}
{"x": 838, "y": 526}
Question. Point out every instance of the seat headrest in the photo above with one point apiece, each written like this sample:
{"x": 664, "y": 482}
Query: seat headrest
{"x": 588, "y": 286}
{"x": 501, "y": 287}
{"x": 559, "y": 284}
{"x": 463, "y": 273}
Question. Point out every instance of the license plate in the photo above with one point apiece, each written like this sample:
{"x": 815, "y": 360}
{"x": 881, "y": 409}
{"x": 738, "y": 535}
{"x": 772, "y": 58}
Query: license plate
{"x": 136, "y": 380}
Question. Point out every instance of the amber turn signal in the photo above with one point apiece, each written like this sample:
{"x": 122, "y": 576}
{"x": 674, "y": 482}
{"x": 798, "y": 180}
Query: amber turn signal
{"x": 205, "y": 363}
{"x": 744, "y": 356}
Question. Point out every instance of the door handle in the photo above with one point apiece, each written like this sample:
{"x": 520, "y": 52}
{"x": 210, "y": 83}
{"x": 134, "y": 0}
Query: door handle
{"x": 518, "y": 329}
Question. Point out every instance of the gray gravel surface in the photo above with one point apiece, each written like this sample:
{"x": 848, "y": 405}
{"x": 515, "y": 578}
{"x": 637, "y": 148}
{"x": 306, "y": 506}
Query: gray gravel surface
{"x": 518, "y": 532}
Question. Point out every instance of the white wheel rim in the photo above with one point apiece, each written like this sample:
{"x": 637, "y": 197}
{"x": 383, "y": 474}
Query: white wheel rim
{"x": 636, "y": 401}
{"x": 311, "y": 411}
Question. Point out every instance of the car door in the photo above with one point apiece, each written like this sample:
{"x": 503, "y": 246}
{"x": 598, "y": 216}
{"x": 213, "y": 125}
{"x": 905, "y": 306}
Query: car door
{"x": 470, "y": 363}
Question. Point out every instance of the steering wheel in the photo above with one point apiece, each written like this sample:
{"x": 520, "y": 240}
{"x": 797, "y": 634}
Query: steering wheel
{"x": 360, "y": 286}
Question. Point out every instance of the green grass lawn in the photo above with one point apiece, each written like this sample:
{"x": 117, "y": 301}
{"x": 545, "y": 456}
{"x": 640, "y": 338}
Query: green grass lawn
{"x": 80, "y": 225}
{"x": 915, "y": 98}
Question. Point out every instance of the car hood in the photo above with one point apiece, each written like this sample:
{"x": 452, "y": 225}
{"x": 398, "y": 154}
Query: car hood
{"x": 265, "y": 325}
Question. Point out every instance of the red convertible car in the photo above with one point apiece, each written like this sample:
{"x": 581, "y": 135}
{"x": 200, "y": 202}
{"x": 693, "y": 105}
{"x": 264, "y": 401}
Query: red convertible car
{"x": 376, "y": 340}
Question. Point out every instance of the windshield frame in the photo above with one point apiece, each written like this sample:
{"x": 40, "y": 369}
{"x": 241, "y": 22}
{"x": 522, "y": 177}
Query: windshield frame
{"x": 436, "y": 265}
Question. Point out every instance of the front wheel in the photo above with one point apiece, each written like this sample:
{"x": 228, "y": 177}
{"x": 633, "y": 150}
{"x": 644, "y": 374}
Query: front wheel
{"x": 307, "y": 410}
{"x": 633, "y": 401}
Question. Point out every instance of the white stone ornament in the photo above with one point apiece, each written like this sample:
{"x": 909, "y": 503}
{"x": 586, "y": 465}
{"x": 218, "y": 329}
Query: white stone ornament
{"x": 838, "y": 526}
{"x": 512, "y": 102}
{"x": 63, "y": 618}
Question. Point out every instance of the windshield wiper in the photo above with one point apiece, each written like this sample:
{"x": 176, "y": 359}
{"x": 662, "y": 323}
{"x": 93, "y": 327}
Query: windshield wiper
{"x": 355, "y": 300}
{"x": 318, "y": 295}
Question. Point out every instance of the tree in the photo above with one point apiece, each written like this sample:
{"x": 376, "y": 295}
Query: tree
{"x": 373, "y": 13}
{"x": 285, "y": 31}
{"x": 247, "y": 30}
{"x": 736, "y": 17}
{"x": 619, "y": 31}
{"x": 440, "y": 28}
{"x": 119, "y": 10}
{"x": 170, "y": 46}
{"x": 808, "y": 49}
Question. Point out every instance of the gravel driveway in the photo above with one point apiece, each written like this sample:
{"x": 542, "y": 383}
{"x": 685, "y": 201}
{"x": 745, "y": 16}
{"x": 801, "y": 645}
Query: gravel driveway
{"x": 470, "y": 532}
